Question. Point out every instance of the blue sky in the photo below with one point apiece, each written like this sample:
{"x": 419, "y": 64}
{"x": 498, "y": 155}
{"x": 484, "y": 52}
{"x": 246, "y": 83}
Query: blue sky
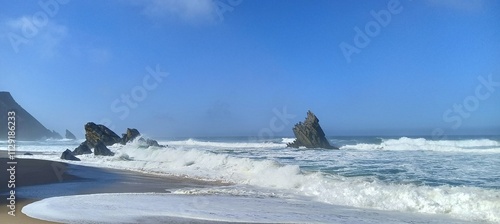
{"x": 234, "y": 67}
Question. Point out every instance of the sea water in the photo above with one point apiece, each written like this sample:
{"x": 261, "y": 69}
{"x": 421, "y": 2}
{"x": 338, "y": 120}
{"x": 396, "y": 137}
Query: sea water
{"x": 457, "y": 178}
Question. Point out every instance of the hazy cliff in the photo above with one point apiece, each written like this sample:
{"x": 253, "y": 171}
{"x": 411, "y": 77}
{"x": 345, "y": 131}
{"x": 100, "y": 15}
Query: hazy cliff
{"x": 27, "y": 127}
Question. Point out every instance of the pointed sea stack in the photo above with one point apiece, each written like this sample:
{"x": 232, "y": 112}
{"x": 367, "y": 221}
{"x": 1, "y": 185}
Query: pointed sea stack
{"x": 70, "y": 135}
{"x": 28, "y": 128}
{"x": 309, "y": 134}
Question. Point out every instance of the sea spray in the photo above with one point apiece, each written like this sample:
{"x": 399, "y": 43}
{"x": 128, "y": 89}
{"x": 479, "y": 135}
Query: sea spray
{"x": 457, "y": 178}
{"x": 471, "y": 203}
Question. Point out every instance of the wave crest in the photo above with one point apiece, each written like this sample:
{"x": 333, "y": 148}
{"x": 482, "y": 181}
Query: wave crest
{"x": 470, "y": 203}
{"x": 415, "y": 144}
{"x": 214, "y": 144}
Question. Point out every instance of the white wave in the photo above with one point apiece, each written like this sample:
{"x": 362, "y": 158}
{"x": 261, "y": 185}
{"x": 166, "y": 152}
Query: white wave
{"x": 404, "y": 143}
{"x": 62, "y": 140}
{"x": 171, "y": 208}
{"x": 234, "y": 145}
{"x": 44, "y": 146}
{"x": 287, "y": 140}
{"x": 469, "y": 203}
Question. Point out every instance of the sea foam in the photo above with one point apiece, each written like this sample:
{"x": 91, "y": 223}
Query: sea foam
{"x": 163, "y": 208}
{"x": 470, "y": 203}
{"x": 406, "y": 144}
{"x": 232, "y": 145}
{"x": 255, "y": 165}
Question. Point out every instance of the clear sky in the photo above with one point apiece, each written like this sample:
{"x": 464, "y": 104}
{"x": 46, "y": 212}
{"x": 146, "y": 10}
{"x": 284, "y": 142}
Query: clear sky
{"x": 383, "y": 67}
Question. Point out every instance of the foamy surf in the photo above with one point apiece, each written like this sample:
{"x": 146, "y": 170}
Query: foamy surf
{"x": 461, "y": 184}
{"x": 163, "y": 208}
{"x": 231, "y": 145}
{"x": 415, "y": 144}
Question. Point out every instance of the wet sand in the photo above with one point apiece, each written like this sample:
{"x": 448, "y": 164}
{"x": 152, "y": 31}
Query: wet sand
{"x": 39, "y": 179}
{"x": 27, "y": 173}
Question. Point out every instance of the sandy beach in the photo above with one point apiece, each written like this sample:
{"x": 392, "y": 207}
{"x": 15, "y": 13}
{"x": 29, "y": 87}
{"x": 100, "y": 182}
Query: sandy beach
{"x": 28, "y": 173}
{"x": 39, "y": 179}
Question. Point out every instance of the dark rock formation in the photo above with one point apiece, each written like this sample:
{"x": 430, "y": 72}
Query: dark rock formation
{"x": 28, "y": 154}
{"x": 99, "y": 133}
{"x": 70, "y": 135}
{"x": 27, "y": 127}
{"x": 131, "y": 134}
{"x": 99, "y": 136}
{"x": 150, "y": 142}
{"x": 82, "y": 149}
{"x": 309, "y": 134}
{"x": 68, "y": 155}
{"x": 56, "y": 135}
{"x": 101, "y": 150}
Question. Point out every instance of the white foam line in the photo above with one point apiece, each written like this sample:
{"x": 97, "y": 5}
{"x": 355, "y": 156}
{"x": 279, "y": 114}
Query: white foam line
{"x": 160, "y": 208}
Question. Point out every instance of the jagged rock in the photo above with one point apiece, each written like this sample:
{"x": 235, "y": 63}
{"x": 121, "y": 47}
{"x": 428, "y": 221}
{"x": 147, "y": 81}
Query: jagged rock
{"x": 98, "y": 136}
{"x": 27, "y": 154}
{"x": 101, "y": 150}
{"x": 309, "y": 134}
{"x": 70, "y": 135}
{"x": 83, "y": 148}
{"x": 131, "y": 134}
{"x": 56, "y": 135}
{"x": 150, "y": 142}
{"x": 99, "y": 133}
{"x": 68, "y": 155}
{"x": 32, "y": 129}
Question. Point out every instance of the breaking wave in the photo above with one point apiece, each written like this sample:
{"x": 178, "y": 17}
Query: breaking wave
{"x": 233, "y": 145}
{"x": 471, "y": 203}
{"x": 405, "y": 144}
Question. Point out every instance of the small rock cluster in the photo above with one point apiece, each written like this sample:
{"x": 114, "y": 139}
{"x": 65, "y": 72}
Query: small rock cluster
{"x": 98, "y": 137}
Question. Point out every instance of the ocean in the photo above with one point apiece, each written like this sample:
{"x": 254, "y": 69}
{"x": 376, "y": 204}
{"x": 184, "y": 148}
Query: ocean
{"x": 457, "y": 178}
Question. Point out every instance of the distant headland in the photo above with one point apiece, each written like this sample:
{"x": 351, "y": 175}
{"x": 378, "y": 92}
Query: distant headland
{"x": 28, "y": 127}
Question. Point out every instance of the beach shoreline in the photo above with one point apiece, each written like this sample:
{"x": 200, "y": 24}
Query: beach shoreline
{"x": 28, "y": 173}
{"x": 157, "y": 184}
{"x": 39, "y": 179}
